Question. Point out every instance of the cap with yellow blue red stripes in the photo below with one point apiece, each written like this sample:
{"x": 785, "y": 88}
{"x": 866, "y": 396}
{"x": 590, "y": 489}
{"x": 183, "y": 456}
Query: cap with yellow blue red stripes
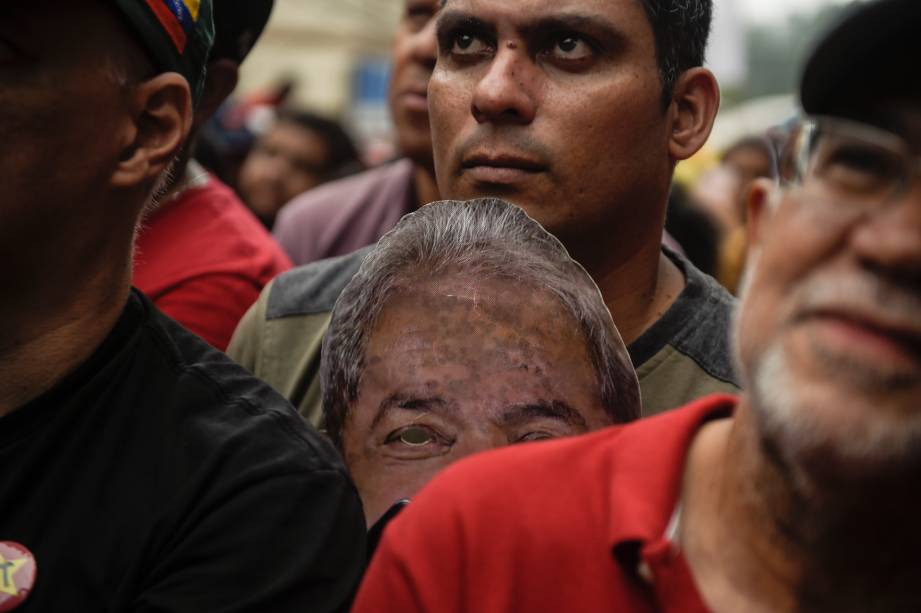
{"x": 177, "y": 35}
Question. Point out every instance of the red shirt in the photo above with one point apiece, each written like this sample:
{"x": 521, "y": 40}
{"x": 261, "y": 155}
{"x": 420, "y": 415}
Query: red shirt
{"x": 203, "y": 259}
{"x": 560, "y": 526}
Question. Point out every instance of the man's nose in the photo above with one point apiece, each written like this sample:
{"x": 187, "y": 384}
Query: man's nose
{"x": 482, "y": 439}
{"x": 504, "y": 93}
{"x": 891, "y": 238}
{"x": 276, "y": 167}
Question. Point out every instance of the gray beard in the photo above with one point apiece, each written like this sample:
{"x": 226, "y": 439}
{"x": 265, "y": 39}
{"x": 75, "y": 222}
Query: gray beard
{"x": 787, "y": 418}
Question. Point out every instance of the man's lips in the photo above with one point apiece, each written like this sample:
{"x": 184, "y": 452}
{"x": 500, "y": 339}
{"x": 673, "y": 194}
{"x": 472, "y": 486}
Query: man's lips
{"x": 414, "y": 99}
{"x": 501, "y": 168}
{"x": 872, "y": 336}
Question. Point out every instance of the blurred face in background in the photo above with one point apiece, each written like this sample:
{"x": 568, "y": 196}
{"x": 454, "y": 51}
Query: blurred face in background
{"x": 413, "y": 61}
{"x": 286, "y": 162}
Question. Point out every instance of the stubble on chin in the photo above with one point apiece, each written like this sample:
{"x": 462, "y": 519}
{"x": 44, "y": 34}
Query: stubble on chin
{"x": 822, "y": 430}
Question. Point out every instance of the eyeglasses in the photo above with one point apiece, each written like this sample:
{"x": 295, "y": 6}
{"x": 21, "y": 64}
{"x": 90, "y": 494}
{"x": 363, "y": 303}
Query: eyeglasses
{"x": 847, "y": 162}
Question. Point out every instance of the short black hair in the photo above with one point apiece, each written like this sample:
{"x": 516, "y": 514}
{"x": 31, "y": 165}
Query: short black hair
{"x": 681, "y": 29}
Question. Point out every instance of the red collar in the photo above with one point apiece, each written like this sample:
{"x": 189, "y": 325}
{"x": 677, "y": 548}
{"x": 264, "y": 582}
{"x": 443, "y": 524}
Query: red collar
{"x": 647, "y": 468}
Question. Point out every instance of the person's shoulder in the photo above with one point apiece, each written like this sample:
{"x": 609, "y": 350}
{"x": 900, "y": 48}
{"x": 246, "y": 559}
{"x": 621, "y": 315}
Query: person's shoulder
{"x": 706, "y": 311}
{"x": 212, "y": 402}
{"x": 213, "y": 215}
{"x": 346, "y": 195}
{"x": 233, "y": 218}
{"x": 312, "y": 288}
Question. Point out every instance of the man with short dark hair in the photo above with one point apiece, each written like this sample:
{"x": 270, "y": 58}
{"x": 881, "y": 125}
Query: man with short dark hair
{"x": 577, "y": 111}
{"x": 799, "y": 495}
{"x": 142, "y": 469}
{"x": 468, "y": 327}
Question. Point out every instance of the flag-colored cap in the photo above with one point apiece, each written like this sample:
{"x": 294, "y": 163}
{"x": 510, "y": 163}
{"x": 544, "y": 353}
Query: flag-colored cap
{"x": 177, "y": 35}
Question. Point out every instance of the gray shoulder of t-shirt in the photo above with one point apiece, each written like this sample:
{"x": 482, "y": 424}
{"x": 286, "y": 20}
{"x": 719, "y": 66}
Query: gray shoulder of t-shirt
{"x": 313, "y": 288}
{"x": 708, "y": 341}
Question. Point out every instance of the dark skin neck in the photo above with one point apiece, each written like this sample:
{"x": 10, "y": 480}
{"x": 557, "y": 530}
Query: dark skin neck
{"x": 637, "y": 287}
{"x": 39, "y": 348}
{"x": 756, "y": 542}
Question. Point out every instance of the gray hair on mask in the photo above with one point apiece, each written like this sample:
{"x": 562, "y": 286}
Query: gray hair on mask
{"x": 486, "y": 238}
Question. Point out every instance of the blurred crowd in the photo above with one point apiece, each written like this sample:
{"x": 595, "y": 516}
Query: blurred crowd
{"x": 523, "y": 365}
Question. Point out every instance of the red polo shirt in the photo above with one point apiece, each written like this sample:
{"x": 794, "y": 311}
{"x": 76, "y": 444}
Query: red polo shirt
{"x": 560, "y": 526}
{"x": 203, "y": 258}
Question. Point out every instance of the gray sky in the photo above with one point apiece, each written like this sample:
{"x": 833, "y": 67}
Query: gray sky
{"x": 772, "y": 10}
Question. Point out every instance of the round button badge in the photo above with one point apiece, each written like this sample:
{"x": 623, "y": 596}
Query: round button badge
{"x": 17, "y": 575}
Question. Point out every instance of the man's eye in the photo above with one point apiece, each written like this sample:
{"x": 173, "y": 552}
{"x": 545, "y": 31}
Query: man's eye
{"x": 858, "y": 169}
{"x": 468, "y": 44}
{"x": 413, "y": 436}
{"x": 530, "y": 437}
{"x": 571, "y": 47}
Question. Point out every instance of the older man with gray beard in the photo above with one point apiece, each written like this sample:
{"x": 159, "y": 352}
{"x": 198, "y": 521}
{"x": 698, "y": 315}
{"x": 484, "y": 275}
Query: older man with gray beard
{"x": 800, "y": 495}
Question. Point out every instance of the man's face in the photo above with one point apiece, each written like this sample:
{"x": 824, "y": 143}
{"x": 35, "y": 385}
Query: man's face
{"x": 556, "y": 106}
{"x": 413, "y": 60}
{"x": 60, "y": 118}
{"x": 830, "y": 328}
{"x": 459, "y": 366}
{"x": 289, "y": 160}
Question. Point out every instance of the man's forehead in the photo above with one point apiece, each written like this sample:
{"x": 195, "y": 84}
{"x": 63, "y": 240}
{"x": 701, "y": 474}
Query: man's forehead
{"x": 452, "y": 297}
{"x": 525, "y": 10}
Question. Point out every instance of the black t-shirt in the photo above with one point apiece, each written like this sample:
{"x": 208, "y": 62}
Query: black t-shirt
{"x": 160, "y": 476}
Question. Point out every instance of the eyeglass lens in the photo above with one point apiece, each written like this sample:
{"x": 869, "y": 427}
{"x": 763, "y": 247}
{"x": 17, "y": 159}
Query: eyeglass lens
{"x": 852, "y": 164}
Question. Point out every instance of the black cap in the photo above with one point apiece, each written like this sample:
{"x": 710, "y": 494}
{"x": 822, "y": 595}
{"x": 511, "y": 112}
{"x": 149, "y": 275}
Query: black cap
{"x": 177, "y": 35}
{"x": 876, "y": 45}
{"x": 237, "y": 26}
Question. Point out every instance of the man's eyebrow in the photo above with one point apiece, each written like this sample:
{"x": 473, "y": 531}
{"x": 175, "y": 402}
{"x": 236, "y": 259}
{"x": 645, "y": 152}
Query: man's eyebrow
{"x": 449, "y": 21}
{"x": 595, "y": 25}
{"x": 409, "y": 402}
{"x": 578, "y": 22}
{"x": 550, "y": 409}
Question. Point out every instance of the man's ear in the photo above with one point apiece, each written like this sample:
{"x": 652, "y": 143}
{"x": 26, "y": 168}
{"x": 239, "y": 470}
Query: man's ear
{"x": 161, "y": 113}
{"x": 220, "y": 81}
{"x": 695, "y": 101}
{"x": 759, "y": 208}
